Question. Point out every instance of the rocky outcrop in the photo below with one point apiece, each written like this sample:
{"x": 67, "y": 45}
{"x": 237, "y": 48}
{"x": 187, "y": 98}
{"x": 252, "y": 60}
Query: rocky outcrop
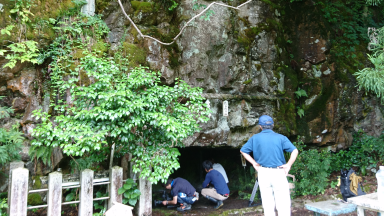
{"x": 244, "y": 53}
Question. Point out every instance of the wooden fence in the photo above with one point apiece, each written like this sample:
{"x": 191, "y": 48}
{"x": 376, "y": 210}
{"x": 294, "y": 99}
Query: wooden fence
{"x": 18, "y": 191}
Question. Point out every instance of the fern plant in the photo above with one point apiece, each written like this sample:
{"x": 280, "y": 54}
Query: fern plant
{"x": 43, "y": 153}
{"x": 10, "y": 141}
{"x": 372, "y": 78}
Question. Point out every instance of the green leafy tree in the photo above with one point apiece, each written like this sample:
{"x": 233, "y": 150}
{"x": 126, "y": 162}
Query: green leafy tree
{"x": 133, "y": 110}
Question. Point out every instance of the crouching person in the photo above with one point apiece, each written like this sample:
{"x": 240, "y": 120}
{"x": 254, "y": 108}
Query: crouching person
{"x": 219, "y": 191}
{"x": 183, "y": 193}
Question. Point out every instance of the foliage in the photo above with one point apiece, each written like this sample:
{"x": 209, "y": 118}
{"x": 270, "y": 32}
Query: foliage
{"x": 373, "y": 2}
{"x": 130, "y": 191}
{"x": 23, "y": 50}
{"x": 99, "y": 204}
{"x": 365, "y": 152}
{"x": 300, "y": 111}
{"x": 301, "y": 93}
{"x": 71, "y": 194}
{"x": 10, "y": 141}
{"x": 43, "y": 153}
{"x": 372, "y": 79}
{"x": 3, "y": 206}
{"x": 311, "y": 169}
{"x": 5, "y": 111}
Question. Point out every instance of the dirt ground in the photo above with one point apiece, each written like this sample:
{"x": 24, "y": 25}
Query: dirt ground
{"x": 204, "y": 207}
{"x": 233, "y": 204}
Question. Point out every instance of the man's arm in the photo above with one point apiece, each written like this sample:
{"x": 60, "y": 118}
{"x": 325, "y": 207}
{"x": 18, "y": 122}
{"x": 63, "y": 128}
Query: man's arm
{"x": 292, "y": 159}
{"x": 172, "y": 202}
{"x": 251, "y": 160}
{"x": 206, "y": 181}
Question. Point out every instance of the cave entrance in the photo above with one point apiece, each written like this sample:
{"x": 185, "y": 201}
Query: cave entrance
{"x": 241, "y": 180}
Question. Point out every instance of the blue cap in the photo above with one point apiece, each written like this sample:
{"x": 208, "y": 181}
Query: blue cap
{"x": 265, "y": 120}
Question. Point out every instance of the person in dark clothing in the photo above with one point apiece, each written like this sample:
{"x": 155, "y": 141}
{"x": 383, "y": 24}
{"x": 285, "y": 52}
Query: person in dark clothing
{"x": 182, "y": 192}
{"x": 220, "y": 190}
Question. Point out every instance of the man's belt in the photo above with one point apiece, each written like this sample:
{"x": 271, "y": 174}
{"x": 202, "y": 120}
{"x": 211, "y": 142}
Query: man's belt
{"x": 272, "y": 167}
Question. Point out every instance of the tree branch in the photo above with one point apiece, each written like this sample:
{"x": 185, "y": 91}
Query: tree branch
{"x": 186, "y": 25}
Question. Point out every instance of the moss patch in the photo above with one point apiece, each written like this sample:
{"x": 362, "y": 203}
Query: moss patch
{"x": 34, "y": 199}
{"x": 37, "y": 183}
{"x": 286, "y": 116}
{"x": 136, "y": 55}
{"x": 145, "y": 7}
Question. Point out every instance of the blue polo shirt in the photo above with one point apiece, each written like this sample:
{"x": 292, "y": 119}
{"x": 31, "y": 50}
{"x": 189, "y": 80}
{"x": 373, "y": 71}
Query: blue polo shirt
{"x": 217, "y": 180}
{"x": 268, "y": 148}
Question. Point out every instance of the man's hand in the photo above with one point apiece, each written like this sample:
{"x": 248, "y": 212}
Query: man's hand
{"x": 286, "y": 168}
{"x": 165, "y": 202}
{"x": 256, "y": 166}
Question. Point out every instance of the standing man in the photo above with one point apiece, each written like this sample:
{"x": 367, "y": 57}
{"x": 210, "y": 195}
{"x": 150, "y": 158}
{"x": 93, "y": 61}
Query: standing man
{"x": 268, "y": 151}
{"x": 182, "y": 192}
{"x": 220, "y": 168}
{"x": 220, "y": 190}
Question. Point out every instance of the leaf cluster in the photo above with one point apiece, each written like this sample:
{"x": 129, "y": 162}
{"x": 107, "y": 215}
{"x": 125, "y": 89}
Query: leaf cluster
{"x": 365, "y": 152}
{"x": 10, "y": 141}
{"x": 130, "y": 192}
{"x": 311, "y": 169}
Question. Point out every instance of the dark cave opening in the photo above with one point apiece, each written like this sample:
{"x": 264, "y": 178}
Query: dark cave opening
{"x": 191, "y": 169}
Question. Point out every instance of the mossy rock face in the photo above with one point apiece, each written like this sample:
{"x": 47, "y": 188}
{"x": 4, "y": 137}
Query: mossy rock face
{"x": 78, "y": 54}
{"x": 136, "y": 55}
{"x": 37, "y": 182}
{"x": 100, "y": 48}
{"x": 34, "y": 199}
{"x": 286, "y": 116}
{"x": 145, "y": 7}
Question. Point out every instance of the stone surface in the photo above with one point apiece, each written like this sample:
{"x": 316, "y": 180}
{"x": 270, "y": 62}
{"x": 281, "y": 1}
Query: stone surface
{"x": 331, "y": 207}
{"x": 19, "y": 104}
{"x": 23, "y": 83}
{"x": 119, "y": 209}
{"x": 368, "y": 201}
{"x": 33, "y": 104}
{"x": 89, "y": 8}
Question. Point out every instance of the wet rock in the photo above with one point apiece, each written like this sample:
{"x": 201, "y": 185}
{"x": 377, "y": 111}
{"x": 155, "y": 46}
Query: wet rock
{"x": 33, "y": 104}
{"x": 8, "y": 123}
{"x": 158, "y": 59}
{"x": 19, "y": 104}
{"x": 24, "y": 153}
{"x": 57, "y": 155}
{"x": 23, "y": 84}
{"x": 5, "y": 76}
{"x": 27, "y": 129}
{"x": 312, "y": 45}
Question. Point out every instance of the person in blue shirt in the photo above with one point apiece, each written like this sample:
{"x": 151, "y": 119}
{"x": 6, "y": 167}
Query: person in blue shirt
{"x": 220, "y": 190}
{"x": 183, "y": 193}
{"x": 268, "y": 160}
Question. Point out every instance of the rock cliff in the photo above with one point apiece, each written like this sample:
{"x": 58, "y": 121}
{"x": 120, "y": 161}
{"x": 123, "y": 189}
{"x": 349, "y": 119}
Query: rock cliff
{"x": 256, "y": 57}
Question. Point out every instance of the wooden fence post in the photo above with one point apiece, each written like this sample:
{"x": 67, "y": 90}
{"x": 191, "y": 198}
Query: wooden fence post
{"x": 145, "y": 200}
{"x": 86, "y": 193}
{"x": 19, "y": 192}
{"x": 12, "y": 166}
{"x": 55, "y": 191}
{"x": 116, "y": 182}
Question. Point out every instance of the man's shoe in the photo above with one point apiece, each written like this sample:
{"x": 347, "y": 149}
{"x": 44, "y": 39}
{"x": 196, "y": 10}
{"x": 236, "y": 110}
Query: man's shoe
{"x": 197, "y": 196}
{"x": 219, "y": 204}
{"x": 184, "y": 207}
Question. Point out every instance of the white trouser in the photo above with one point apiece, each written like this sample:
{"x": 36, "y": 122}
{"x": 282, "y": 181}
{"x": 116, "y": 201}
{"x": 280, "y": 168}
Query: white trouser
{"x": 274, "y": 191}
